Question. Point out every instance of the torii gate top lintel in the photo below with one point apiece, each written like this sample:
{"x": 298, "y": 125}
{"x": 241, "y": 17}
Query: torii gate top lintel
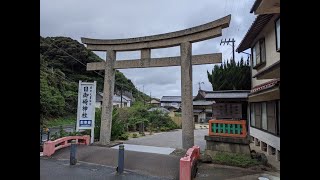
{"x": 194, "y": 34}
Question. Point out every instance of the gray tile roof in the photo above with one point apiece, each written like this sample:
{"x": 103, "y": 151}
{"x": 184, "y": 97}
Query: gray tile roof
{"x": 117, "y": 98}
{"x": 171, "y": 99}
{"x": 227, "y": 94}
{"x": 203, "y": 103}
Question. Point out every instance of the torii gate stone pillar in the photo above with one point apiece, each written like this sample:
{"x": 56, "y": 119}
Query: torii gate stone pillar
{"x": 184, "y": 39}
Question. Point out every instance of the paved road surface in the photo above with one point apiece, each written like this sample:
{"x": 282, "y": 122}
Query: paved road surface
{"x": 172, "y": 139}
{"x": 52, "y": 169}
{"x": 151, "y": 164}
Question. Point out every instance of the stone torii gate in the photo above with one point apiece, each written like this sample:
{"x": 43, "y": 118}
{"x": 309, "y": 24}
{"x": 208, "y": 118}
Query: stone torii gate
{"x": 182, "y": 38}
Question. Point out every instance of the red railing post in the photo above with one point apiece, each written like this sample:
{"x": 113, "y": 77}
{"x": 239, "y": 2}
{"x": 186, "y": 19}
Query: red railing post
{"x": 185, "y": 168}
{"x": 48, "y": 148}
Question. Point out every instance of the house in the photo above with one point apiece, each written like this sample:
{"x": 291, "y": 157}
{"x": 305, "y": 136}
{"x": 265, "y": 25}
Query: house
{"x": 225, "y": 104}
{"x": 174, "y": 101}
{"x": 126, "y": 101}
{"x": 263, "y": 39}
{"x": 155, "y": 102}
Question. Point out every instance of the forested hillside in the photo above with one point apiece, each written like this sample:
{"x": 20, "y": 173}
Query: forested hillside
{"x": 62, "y": 65}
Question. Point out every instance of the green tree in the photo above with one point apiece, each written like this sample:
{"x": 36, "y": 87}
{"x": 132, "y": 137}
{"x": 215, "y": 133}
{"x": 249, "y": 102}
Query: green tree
{"x": 62, "y": 65}
{"x": 231, "y": 76}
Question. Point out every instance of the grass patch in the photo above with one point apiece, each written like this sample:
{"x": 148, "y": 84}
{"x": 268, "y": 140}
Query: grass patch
{"x": 62, "y": 121}
{"x": 232, "y": 159}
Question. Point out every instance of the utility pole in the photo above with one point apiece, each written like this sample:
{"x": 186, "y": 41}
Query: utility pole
{"x": 121, "y": 95}
{"x": 229, "y": 41}
{"x": 200, "y": 84}
{"x": 144, "y": 102}
{"x": 150, "y": 98}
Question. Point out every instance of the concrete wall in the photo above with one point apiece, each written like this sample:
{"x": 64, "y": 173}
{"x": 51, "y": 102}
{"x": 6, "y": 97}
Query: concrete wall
{"x": 272, "y": 55}
{"x": 270, "y": 139}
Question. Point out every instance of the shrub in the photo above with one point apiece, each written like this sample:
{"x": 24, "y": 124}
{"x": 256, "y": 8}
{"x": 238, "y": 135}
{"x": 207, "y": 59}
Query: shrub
{"x": 234, "y": 159}
{"x": 163, "y": 129}
{"x": 134, "y": 135}
{"x": 124, "y": 136}
{"x": 117, "y": 129}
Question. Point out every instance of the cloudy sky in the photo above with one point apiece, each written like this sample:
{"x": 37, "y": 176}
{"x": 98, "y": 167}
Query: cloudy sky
{"x": 106, "y": 19}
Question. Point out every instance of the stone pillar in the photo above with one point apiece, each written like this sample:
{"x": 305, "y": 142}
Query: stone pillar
{"x": 186, "y": 96}
{"x": 256, "y": 143}
{"x": 269, "y": 150}
{"x": 145, "y": 57}
{"x": 278, "y": 155}
{"x": 108, "y": 91}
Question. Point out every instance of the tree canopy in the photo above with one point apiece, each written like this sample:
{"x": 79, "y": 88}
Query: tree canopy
{"x": 231, "y": 76}
{"x": 62, "y": 64}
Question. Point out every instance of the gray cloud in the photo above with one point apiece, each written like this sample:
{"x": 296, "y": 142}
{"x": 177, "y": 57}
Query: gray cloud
{"x": 126, "y": 18}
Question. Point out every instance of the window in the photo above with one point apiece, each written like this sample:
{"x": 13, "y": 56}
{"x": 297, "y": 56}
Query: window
{"x": 252, "y": 118}
{"x": 264, "y": 116}
{"x": 271, "y": 115}
{"x": 278, "y": 122}
{"x": 258, "y": 53}
{"x": 278, "y": 34}
{"x": 257, "y": 113}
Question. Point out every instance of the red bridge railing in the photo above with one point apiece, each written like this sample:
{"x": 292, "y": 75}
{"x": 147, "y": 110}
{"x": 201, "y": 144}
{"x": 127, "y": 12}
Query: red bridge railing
{"x": 188, "y": 163}
{"x": 50, "y": 147}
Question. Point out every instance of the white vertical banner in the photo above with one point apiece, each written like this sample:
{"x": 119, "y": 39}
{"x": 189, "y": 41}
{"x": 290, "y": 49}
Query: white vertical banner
{"x": 86, "y": 106}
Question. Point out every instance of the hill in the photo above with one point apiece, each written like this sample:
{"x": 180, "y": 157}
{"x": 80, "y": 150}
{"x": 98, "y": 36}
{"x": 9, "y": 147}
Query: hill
{"x": 62, "y": 65}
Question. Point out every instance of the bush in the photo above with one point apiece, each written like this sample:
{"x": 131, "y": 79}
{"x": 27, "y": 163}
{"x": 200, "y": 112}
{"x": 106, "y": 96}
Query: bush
{"x": 97, "y": 123}
{"x": 234, "y": 159}
{"x": 124, "y": 136}
{"x": 163, "y": 129}
{"x": 134, "y": 135}
{"x": 117, "y": 129}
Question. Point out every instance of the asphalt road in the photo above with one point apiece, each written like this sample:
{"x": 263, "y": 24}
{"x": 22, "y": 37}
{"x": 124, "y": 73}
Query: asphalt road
{"x": 172, "y": 139}
{"x": 53, "y": 169}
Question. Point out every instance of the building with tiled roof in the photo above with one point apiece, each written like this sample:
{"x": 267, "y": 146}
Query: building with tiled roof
{"x": 263, "y": 39}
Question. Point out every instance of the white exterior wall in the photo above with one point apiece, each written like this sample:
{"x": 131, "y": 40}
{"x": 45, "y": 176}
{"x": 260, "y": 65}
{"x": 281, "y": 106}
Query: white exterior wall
{"x": 98, "y": 104}
{"x": 272, "y": 55}
{"x": 270, "y": 139}
{"x": 177, "y": 105}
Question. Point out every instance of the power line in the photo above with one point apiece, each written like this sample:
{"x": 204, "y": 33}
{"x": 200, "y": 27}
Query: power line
{"x": 229, "y": 41}
{"x": 51, "y": 44}
{"x": 58, "y": 75}
{"x": 53, "y": 71}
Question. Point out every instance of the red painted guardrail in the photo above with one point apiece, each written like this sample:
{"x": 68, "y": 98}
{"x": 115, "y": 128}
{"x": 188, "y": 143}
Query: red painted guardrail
{"x": 188, "y": 163}
{"x": 50, "y": 147}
